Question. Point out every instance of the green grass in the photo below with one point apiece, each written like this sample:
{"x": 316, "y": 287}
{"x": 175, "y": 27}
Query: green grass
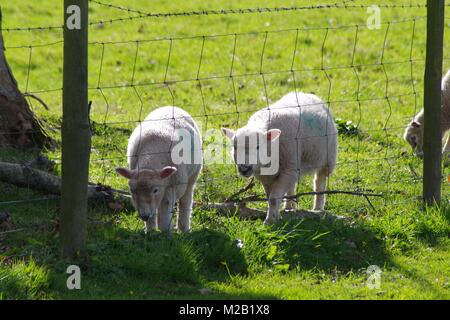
{"x": 296, "y": 259}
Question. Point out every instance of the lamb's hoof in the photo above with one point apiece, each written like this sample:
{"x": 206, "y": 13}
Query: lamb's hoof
{"x": 290, "y": 207}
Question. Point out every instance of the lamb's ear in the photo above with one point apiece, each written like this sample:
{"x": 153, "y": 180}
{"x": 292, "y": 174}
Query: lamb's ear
{"x": 124, "y": 172}
{"x": 273, "y": 134}
{"x": 167, "y": 172}
{"x": 415, "y": 124}
{"x": 228, "y": 133}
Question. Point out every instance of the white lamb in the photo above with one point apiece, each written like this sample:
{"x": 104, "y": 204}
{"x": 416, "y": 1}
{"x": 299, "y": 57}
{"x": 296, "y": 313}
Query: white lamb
{"x": 304, "y": 128}
{"x": 156, "y": 181}
{"x": 414, "y": 131}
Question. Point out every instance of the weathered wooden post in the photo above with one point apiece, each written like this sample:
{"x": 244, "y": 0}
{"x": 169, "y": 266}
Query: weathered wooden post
{"x": 76, "y": 135}
{"x": 432, "y": 171}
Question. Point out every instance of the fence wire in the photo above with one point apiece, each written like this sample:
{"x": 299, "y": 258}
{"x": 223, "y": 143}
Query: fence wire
{"x": 220, "y": 82}
{"x": 349, "y": 4}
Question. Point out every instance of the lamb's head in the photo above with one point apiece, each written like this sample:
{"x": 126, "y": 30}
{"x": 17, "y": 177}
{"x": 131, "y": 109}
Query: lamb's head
{"x": 250, "y": 148}
{"x": 414, "y": 136}
{"x": 147, "y": 188}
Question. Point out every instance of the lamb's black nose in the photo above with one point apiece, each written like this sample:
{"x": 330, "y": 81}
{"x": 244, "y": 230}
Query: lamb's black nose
{"x": 245, "y": 170}
{"x": 244, "y": 167}
{"x": 144, "y": 217}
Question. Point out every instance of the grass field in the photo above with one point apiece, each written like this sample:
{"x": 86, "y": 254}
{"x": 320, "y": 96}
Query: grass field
{"x": 373, "y": 78}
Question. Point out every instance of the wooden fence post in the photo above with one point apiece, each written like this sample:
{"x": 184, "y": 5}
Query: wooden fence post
{"x": 76, "y": 135}
{"x": 432, "y": 146}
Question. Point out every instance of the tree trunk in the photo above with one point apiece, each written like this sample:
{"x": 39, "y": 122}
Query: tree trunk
{"x": 19, "y": 128}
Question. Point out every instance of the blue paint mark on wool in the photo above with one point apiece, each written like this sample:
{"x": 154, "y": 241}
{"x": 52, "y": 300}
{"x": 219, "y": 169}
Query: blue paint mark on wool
{"x": 314, "y": 123}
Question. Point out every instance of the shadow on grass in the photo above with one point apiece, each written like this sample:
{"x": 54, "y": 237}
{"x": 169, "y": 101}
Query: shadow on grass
{"x": 126, "y": 264}
{"x": 123, "y": 263}
{"x": 431, "y": 224}
{"x": 133, "y": 265}
{"x": 334, "y": 246}
{"x": 311, "y": 244}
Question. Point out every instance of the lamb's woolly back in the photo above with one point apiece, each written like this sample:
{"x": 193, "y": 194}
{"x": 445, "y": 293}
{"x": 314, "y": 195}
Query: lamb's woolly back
{"x": 152, "y": 138}
{"x": 164, "y": 121}
{"x": 294, "y": 99}
{"x": 286, "y": 114}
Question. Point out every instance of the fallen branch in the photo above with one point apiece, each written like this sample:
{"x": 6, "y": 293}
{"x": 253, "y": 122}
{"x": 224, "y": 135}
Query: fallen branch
{"x": 38, "y": 99}
{"x": 258, "y": 198}
{"x": 11, "y": 231}
{"x": 244, "y": 212}
{"x": 24, "y": 176}
{"x": 27, "y": 177}
{"x": 233, "y": 197}
{"x": 366, "y": 195}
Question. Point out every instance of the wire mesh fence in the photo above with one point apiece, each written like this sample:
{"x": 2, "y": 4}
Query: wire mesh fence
{"x": 222, "y": 68}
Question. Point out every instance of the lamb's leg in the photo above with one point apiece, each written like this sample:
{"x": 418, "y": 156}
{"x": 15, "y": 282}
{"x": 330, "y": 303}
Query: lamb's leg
{"x": 165, "y": 215}
{"x": 150, "y": 224}
{"x": 320, "y": 185}
{"x": 279, "y": 189}
{"x": 267, "y": 185}
{"x": 291, "y": 204}
{"x": 185, "y": 208}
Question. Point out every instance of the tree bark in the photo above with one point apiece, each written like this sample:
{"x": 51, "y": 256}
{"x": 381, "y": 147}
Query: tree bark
{"x": 19, "y": 128}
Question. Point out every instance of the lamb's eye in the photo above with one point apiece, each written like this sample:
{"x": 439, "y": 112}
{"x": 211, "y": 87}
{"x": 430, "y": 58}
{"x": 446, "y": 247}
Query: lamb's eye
{"x": 257, "y": 147}
{"x": 155, "y": 191}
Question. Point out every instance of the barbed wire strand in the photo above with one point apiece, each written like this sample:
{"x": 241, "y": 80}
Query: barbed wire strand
{"x": 257, "y": 10}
